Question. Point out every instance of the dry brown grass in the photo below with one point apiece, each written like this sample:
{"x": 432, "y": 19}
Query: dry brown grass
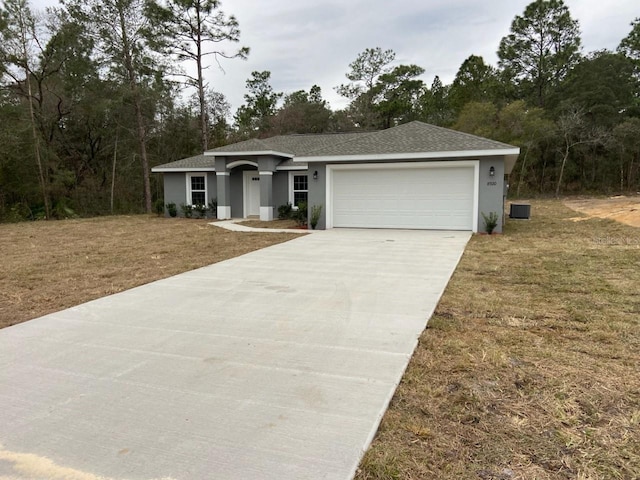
{"x": 530, "y": 368}
{"x": 48, "y": 266}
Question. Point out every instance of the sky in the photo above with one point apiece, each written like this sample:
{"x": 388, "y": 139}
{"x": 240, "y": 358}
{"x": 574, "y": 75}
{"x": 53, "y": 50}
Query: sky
{"x": 307, "y": 42}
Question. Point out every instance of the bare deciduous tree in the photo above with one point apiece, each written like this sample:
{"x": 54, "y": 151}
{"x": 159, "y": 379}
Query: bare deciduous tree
{"x": 187, "y": 27}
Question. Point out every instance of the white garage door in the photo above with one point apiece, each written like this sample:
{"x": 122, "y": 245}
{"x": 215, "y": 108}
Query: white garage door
{"x": 439, "y": 198}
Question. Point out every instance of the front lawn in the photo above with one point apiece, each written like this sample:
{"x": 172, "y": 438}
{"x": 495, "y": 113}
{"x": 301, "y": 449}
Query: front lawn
{"x": 48, "y": 266}
{"x": 530, "y": 367}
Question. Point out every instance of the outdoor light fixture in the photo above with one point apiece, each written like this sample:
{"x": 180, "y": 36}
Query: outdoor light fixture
{"x": 492, "y": 172}
{"x": 315, "y": 174}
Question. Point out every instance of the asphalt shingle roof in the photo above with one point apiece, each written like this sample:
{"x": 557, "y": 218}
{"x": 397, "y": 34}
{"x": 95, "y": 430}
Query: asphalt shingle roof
{"x": 297, "y": 145}
{"x": 413, "y": 137}
{"x": 199, "y": 161}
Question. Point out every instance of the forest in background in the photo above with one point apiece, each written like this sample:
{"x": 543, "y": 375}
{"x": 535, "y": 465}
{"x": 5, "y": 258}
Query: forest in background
{"x": 94, "y": 93}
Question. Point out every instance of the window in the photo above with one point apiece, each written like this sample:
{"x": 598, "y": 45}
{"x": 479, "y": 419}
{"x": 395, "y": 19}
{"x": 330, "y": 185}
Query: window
{"x": 300, "y": 189}
{"x": 197, "y": 189}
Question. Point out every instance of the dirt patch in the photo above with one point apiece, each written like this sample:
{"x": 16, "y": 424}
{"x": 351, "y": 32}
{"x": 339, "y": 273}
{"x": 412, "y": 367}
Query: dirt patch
{"x": 35, "y": 467}
{"x": 49, "y": 266}
{"x": 620, "y": 208}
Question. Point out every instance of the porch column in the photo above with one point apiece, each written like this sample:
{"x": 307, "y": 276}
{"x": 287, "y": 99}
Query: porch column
{"x": 266, "y": 168}
{"x": 223, "y": 185}
{"x": 266, "y": 196}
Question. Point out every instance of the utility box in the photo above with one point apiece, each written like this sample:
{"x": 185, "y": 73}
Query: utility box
{"x": 520, "y": 211}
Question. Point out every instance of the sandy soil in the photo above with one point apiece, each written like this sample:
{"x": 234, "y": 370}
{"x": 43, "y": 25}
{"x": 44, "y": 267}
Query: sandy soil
{"x": 620, "y": 208}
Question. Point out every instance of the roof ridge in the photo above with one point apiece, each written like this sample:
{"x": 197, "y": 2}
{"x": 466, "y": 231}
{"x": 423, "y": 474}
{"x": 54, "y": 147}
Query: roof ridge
{"x": 316, "y": 134}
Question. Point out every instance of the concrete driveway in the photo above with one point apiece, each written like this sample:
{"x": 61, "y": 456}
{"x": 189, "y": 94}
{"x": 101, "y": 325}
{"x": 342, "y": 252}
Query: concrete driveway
{"x": 275, "y": 365}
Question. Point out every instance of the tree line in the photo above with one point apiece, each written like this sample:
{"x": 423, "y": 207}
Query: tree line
{"x": 94, "y": 93}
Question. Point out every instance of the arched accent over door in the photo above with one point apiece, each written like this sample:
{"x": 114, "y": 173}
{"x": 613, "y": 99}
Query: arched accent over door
{"x": 238, "y": 163}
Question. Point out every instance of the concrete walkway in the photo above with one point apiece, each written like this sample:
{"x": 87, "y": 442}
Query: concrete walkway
{"x": 234, "y": 226}
{"x": 275, "y": 365}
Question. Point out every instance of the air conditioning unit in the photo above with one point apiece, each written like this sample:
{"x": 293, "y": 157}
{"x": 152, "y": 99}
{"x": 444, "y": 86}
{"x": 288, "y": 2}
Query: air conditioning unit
{"x": 520, "y": 211}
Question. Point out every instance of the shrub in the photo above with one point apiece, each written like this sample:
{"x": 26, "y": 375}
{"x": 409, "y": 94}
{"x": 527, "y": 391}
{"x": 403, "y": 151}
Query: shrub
{"x": 18, "y": 212}
{"x": 285, "y": 211}
{"x": 201, "y": 209}
{"x": 490, "y": 222}
{"x": 316, "y": 211}
{"x": 187, "y": 211}
{"x": 158, "y": 206}
{"x": 171, "y": 208}
{"x": 300, "y": 215}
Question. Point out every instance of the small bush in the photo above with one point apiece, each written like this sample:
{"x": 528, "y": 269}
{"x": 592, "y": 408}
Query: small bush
{"x": 158, "y": 207}
{"x": 316, "y": 211}
{"x": 300, "y": 215}
{"x": 171, "y": 208}
{"x": 490, "y": 222}
{"x": 201, "y": 209}
{"x": 285, "y": 211}
{"x": 18, "y": 212}
{"x": 61, "y": 210}
{"x": 187, "y": 211}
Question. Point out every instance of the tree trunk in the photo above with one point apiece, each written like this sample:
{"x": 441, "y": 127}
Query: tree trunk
{"x": 564, "y": 162}
{"x": 524, "y": 162}
{"x": 204, "y": 130}
{"x": 143, "y": 150}
{"x": 621, "y": 176}
{"x": 36, "y": 148}
{"x": 32, "y": 117}
{"x": 113, "y": 171}
{"x": 137, "y": 103}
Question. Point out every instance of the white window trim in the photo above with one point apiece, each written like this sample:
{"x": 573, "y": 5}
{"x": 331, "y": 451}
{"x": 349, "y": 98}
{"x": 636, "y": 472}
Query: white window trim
{"x": 291, "y": 175}
{"x": 206, "y": 190}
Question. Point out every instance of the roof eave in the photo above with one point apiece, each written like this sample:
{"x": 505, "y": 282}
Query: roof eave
{"x": 412, "y": 156}
{"x": 286, "y": 168}
{"x": 248, "y": 154}
{"x": 181, "y": 169}
{"x": 510, "y": 162}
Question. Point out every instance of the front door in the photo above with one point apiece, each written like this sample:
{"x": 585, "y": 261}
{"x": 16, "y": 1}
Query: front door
{"x": 251, "y": 197}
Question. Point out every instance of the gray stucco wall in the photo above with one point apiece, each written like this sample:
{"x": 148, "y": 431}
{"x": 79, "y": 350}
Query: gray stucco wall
{"x": 211, "y": 187}
{"x": 175, "y": 189}
{"x": 237, "y": 187}
{"x": 280, "y": 186}
{"x": 317, "y": 192}
{"x": 280, "y": 189}
{"x": 490, "y": 189}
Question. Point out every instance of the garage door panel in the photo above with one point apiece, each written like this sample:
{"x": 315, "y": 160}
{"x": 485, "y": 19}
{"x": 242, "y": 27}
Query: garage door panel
{"x": 428, "y": 198}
